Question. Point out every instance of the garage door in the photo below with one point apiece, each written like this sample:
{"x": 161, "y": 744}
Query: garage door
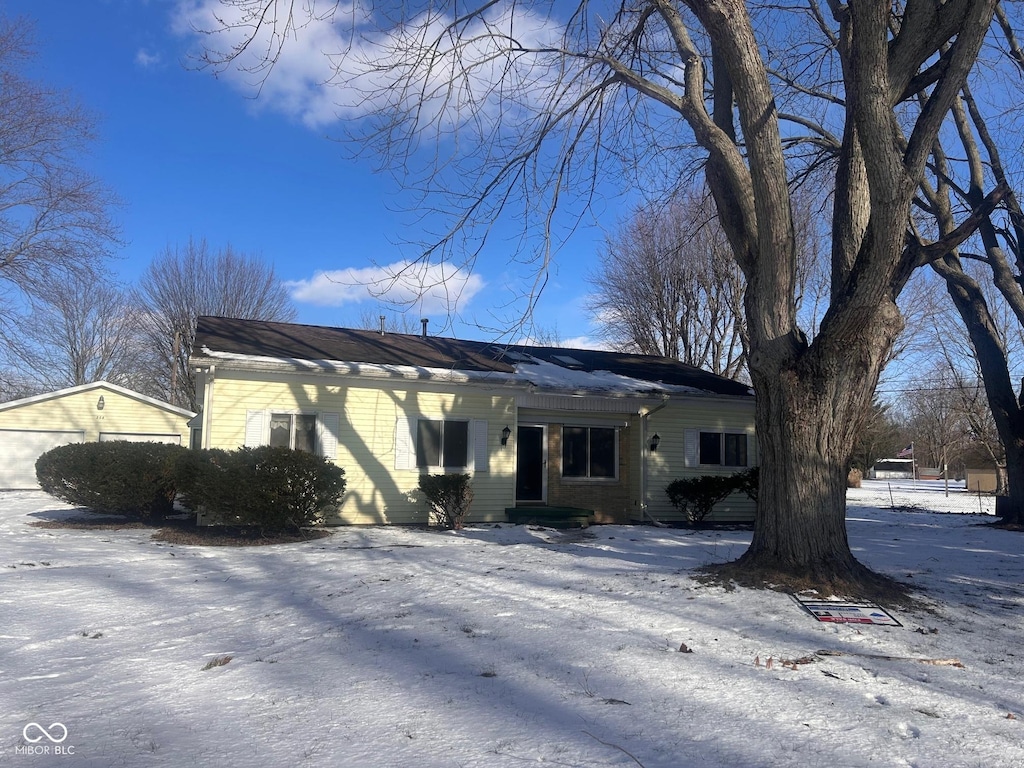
{"x": 140, "y": 437}
{"x": 19, "y": 450}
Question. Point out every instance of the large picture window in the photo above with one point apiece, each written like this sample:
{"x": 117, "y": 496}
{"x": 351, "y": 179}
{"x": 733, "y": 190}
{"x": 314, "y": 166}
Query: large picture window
{"x": 726, "y": 449}
{"x": 442, "y": 443}
{"x": 589, "y": 452}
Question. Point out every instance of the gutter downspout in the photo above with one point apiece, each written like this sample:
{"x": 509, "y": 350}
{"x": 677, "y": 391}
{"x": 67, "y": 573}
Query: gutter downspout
{"x": 207, "y": 407}
{"x": 208, "y": 404}
{"x": 644, "y": 457}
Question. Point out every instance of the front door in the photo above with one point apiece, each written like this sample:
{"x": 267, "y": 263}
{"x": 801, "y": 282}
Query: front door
{"x": 531, "y": 463}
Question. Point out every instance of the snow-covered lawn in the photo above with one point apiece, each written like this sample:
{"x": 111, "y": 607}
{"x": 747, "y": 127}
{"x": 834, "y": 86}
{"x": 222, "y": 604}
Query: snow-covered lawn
{"x": 500, "y": 646}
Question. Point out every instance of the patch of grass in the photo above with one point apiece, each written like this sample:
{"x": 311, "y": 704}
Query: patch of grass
{"x": 1006, "y": 526}
{"x": 186, "y": 532}
{"x": 219, "y": 661}
{"x": 99, "y": 523}
{"x": 191, "y": 534}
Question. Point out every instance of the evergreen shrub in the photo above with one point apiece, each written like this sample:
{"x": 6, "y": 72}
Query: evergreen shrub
{"x": 696, "y": 496}
{"x": 448, "y": 499}
{"x": 270, "y": 488}
{"x": 748, "y": 482}
{"x": 136, "y": 480}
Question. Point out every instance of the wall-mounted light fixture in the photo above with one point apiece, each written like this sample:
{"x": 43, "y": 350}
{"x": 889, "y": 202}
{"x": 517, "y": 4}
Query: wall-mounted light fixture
{"x": 100, "y": 403}
{"x": 506, "y": 433}
{"x": 655, "y": 442}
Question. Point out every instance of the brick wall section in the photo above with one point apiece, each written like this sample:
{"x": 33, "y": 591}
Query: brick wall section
{"x": 608, "y": 498}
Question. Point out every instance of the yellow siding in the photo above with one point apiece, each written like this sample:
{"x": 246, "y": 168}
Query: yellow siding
{"x": 78, "y": 411}
{"x": 376, "y": 492}
{"x": 669, "y": 461}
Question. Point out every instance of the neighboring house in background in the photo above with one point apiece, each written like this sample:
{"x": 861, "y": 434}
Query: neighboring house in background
{"x": 531, "y": 425}
{"x": 892, "y": 469}
{"x": 88, "y": 413}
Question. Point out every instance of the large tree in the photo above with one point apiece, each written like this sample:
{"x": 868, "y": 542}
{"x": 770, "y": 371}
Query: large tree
{"x": 54, "y": 217}
{"x": 545, "y": 97}
{"x": 185, "y": 282}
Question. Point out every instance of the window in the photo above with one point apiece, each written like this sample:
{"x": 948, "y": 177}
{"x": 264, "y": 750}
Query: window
{"x": 293, "y": 430}
{"x": 442, "y": 443}
{"x": 726, "y": 449}
{"x": 710, "y": 448}
{"x": 735, "y": 450}
{"x": 312, "y": 432}
{"x": 589, "y": 452}
{"x": 430, "y": 444}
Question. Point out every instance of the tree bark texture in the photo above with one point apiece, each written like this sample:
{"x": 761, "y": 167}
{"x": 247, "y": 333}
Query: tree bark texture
{"x": 809, "y": 413}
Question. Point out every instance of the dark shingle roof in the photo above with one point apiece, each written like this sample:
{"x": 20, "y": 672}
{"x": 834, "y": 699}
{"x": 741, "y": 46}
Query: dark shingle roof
{"x": 311, "y": 342}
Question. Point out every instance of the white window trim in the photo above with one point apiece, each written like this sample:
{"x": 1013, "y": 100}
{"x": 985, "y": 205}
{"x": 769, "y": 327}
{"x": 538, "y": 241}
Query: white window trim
{"x": 477, "y": 453}
{"x": 587, "y": 479}
{"x": 257, "y": 428}
{"x": 291, "y": 426}
{"x": 692, "y": 447}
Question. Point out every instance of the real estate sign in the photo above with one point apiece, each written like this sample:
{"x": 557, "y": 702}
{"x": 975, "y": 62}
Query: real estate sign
{"x": 839, "y": 612}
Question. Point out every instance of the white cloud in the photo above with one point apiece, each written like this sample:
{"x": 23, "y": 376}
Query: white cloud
{"x": 587, "y": 342}
{"x": 145, "y": 59}
{"x": 436, "y": 288}
{"x": 342, "y": 65}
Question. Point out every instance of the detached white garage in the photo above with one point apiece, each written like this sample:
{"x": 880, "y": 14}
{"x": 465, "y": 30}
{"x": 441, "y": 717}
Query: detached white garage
{"x": 100, "y": 411}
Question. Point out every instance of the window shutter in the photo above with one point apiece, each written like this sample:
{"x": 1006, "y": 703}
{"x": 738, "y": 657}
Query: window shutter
{"x": 329, "y": 426}
{"x": 254, "y": 421}
{"x": 481, "y": 456}
{"x": 405, "y": 453}
{"x": 692, "y": 457}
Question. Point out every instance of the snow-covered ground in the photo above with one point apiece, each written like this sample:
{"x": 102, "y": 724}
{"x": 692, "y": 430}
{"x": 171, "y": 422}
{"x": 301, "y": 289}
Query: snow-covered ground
{"x": 499, "y": 646}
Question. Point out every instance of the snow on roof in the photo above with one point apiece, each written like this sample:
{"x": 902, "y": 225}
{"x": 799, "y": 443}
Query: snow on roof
{"x": 356, "y": 352}
{"x": 372, "y": 370}
{"x": 545, "y": 375}
{"x": 535, "y": 373}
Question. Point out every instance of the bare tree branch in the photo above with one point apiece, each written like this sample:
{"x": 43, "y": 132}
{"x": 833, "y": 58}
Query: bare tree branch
{"x": 185, "y": 282}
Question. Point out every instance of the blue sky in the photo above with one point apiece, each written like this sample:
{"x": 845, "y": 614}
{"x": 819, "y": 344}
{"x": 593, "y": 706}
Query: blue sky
{"x": 191, "y": 155}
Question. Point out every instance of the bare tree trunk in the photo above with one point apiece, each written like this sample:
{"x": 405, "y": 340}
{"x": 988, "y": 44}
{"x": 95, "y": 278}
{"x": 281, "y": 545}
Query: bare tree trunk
{"x": 1007, "y": 409}
{"x": 989, "y": 350}
{"x": 809, "y": 414}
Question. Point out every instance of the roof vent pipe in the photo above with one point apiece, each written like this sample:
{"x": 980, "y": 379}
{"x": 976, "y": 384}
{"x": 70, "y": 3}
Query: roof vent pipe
{"x": 382, "y": 318}
{"x": 424, "y": 321}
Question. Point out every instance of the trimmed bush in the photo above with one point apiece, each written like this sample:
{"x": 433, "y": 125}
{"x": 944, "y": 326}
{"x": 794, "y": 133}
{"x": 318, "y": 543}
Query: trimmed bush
{"x": 748, "y": 482}
{"x": 272, "y": 489}
{"x": 696, "y": 496}
{"x": 448, "y": 499}
{"x": 136, "y": 480}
